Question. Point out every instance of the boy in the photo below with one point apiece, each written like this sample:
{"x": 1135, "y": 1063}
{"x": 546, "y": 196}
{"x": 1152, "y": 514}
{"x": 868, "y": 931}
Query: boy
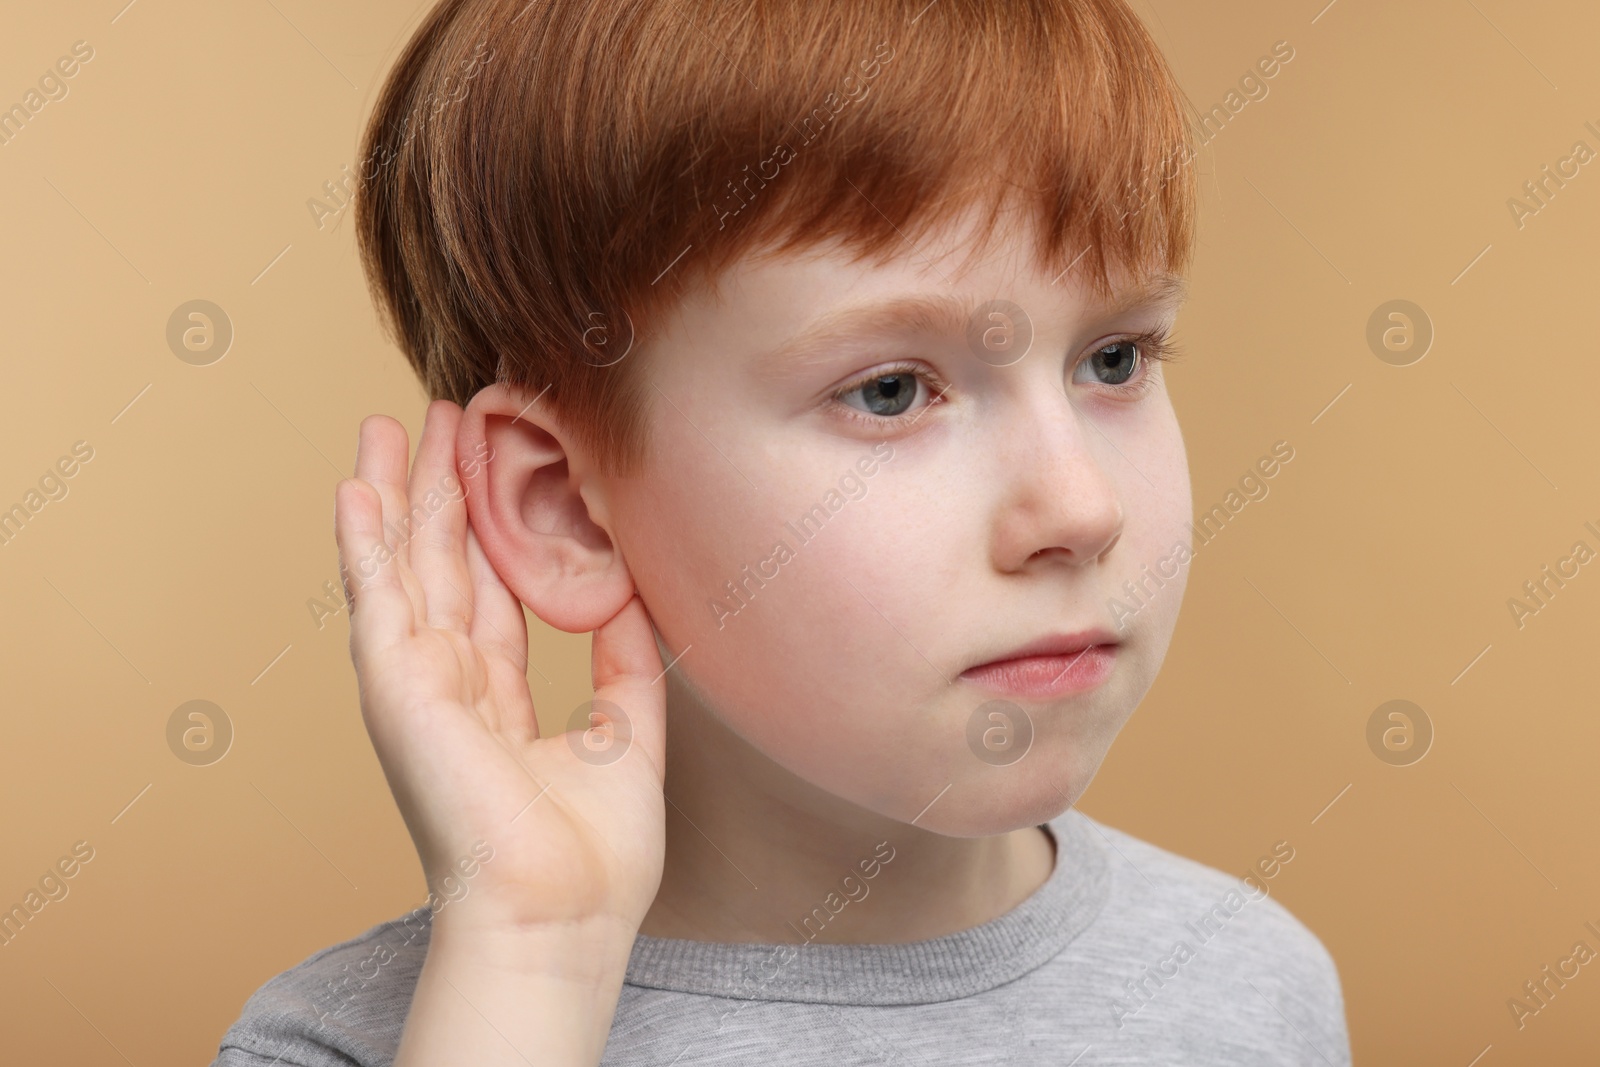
{"x": 809, "y": 355}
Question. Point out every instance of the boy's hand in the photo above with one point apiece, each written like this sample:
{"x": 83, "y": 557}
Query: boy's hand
{"x": 440, "y": 651}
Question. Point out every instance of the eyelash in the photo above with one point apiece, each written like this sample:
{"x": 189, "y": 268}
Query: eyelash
{"x": 1155, "y": 346}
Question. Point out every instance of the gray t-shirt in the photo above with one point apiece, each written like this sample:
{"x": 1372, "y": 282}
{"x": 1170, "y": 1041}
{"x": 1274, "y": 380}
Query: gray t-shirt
{"x": 1128, "y": 954}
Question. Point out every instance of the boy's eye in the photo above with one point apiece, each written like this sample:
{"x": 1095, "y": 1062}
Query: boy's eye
{"x": 1115, "y": 363}
{"x": 1128, "y": 360}
{"x": 886, "y": 395}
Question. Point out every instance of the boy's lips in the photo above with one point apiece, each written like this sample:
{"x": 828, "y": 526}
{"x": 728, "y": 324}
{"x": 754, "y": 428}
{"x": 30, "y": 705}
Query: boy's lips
{"x": 1052, "y": 666}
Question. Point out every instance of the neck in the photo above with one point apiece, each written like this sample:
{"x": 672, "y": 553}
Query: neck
{"x": 757, "y": 854}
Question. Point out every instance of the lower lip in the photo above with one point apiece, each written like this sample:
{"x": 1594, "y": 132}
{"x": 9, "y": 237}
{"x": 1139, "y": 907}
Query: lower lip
{"x": 1043, "y": 677}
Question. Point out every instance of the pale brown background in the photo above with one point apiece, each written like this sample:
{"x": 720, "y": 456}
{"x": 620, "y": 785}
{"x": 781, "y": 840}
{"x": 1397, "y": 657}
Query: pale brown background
{"x": 180, "y": 564}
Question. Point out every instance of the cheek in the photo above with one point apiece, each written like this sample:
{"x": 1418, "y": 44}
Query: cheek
{"x": 1159, "y": 506}
{"x": 796, "y": 617}
{"x": 1157, "y": 536}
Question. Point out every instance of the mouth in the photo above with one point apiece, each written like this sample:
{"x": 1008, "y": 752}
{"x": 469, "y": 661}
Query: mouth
{"x": 1054, "y": 666}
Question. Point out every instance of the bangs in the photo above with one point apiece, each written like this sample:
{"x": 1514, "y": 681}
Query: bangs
{"x": 1064, "y": 110}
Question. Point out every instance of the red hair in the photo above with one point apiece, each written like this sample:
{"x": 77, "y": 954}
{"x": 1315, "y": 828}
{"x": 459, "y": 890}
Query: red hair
{"x": 541, "y": 179}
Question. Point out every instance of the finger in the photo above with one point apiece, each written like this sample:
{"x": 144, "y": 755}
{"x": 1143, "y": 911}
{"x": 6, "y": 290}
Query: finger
{"x": 381, "y": 612}
{"x": 497, "y": 620}
{"x": 500, "y": 633}
{"x": 627, "y": 671}
{"x": 381, "y": 461}
{"x": 438, "y": 553}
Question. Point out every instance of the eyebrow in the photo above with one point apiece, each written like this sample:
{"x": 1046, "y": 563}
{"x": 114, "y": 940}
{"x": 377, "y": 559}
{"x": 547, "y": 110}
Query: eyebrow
{"x": 938, "y": 315}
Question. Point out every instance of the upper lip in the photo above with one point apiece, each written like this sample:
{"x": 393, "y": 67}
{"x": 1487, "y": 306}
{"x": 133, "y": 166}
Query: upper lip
{"x": 1055, "y": 645}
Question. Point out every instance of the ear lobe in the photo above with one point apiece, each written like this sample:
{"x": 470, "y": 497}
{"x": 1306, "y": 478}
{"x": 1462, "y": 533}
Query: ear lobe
{"x": 525, "y": 502}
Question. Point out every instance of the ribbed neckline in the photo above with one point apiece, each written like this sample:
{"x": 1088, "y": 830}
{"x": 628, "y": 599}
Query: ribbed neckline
{"x": 917, "y": 972}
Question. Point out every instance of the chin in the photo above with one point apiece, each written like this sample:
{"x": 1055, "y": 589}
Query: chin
{"x": 990, "y": 804}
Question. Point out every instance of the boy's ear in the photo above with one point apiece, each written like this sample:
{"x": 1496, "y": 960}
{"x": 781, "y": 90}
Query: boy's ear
{"x": 538, "y": 511}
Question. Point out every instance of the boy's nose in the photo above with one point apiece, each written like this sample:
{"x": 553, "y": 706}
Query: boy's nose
{"x": 1057, "y": 500}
